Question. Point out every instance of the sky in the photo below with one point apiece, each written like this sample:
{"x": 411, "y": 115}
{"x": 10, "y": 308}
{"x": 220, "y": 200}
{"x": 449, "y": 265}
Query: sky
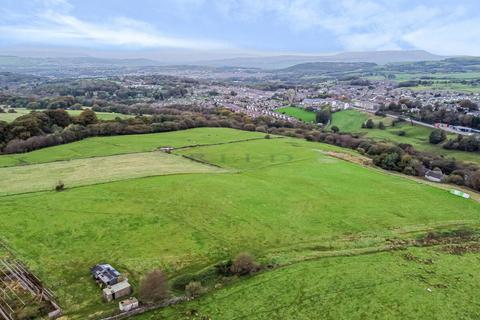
{"x": 248, "y": 27}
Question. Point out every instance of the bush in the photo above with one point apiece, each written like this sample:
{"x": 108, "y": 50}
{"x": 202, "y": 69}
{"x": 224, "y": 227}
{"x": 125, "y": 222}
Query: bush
{"x": 335, "y": 129}
{"x": 224, "y": 268}
{"x": 401, "y": 133}
{"x": 369, "y": 124}
{"x": 267, "y": 136}
{"x": 244, "y": 264}
{"x": 154, "y": 287}
{"x": 455, "y": 179}
{"x": 194, "y": 289}
{"x": 60, "y": 186}
{"x": 323, "y": 116}
{"x": 381, "y": 126}
{"x": 437, "y": 136}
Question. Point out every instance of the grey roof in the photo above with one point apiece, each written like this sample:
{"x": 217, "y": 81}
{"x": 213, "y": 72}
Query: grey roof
{"x": 105, "y": 273}
{"x": 117, "y": 287}
{"x": 434, "y": 174}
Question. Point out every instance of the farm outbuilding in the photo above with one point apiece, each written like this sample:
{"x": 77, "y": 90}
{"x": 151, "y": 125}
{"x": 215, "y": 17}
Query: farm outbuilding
{"x": 435, "y": 176}
{"x": 128, "y": 304}
{"x": 105, "y": 274}
{"x": 117, "y": 291}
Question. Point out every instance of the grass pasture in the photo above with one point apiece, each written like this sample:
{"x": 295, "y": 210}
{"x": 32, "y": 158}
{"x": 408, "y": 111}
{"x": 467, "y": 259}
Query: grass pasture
{"x": 376, "y": 286}
{"x": 80, "y": 172}
{"x": 298, "y": 113}
{"x": 418, "y": 136}
{"x": 106, "y": 146}
{"x": 284, "y": 200}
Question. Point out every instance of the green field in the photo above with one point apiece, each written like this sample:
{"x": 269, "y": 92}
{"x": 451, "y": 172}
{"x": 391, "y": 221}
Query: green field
{"x": 79, "y": 172}
{"x": 443, "y": 81}
{"x": 298, "y": 113}
{"x": 448, "y": 87}
{"x": 284, "y": 200}
{"x": 106, "y": 146}
{"x": 418, "y": 136}
{"x": 9, "y": 117}
{"x": 376, "y": 286}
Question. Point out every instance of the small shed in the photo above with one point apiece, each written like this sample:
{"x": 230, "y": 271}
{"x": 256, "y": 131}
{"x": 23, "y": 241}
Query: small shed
{"x": 435, "y": 176}
{"x": 128, "y": 304}
{"x": 117, "y": 291}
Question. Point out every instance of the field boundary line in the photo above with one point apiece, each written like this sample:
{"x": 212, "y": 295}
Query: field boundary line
{"x": 222, "y": 143}
{"x": 113, "y": 181}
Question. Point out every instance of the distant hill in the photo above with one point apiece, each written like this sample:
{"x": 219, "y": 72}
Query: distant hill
{"x": 16, "y": 61}
{"x": 285, "y": 61}
{"x": 328, "y": 67}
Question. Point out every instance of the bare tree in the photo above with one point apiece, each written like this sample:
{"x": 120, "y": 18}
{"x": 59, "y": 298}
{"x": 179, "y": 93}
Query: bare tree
{"x": 244, "y": 264}
{"x": 154, "y": 287}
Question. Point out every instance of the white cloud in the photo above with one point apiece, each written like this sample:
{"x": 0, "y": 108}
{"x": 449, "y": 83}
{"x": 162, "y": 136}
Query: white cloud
{"x": 56, "y": 25}
{"x": 443, "y": 27}
{"x": 460, "y": 37}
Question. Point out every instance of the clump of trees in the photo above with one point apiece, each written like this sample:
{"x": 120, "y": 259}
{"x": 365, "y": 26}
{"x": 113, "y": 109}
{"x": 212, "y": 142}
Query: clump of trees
{"x": 369, "y": 124}
{"x": 464, "y": 143}
{"x": 323, "y": 116}
{"x": 437, "y": 136}
{"x": 154, "y": 287}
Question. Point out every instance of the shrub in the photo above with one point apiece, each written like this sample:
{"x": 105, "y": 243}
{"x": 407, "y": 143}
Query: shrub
{"x": 87, "y": 117}
{"x": 401, "y": 133}
{"x": 437, "y": 136}
{"x": 244, "y": 264}
{"x": 455, "y": 179}
{"x": 60, "y": 186}
{"x": 381, "y": 126}
{"x": 194, "y": 289}
{"x": 335, "y": 129}
{"x": 369, "y": 124}
{"x": 224, "y": 268}
{"x": 267, "y": 136}
{"x": 323, "y": 116}
{"x": 154, "y": 287}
